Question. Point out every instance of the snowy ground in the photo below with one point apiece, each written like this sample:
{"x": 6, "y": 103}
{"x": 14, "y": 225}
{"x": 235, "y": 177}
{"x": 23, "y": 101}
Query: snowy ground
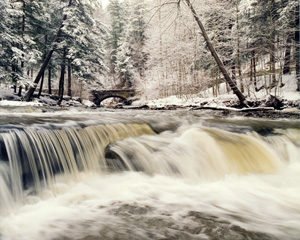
{"x": 7, "y": 98}
{"x": 287, "y": 93}
{"x": 19, "y": 103}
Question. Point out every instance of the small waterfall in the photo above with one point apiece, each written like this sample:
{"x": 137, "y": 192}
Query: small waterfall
{"x": 205, "y": 153}
{"x": 31, "y": 157}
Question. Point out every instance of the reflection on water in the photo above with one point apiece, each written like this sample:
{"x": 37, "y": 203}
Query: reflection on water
{"x": 148, "y": 175}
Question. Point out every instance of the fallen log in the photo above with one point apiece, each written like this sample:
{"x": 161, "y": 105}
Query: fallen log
{"x": 220, "y": 108}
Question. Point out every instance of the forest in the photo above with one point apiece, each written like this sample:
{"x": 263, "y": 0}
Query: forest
{"x": 70, "y": 47}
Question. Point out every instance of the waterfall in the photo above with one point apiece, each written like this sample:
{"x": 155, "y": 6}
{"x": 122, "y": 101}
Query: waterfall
{"x": 194, "y": 180}
{"x": 198, "y": 153}
{"x": 31, "y": 157}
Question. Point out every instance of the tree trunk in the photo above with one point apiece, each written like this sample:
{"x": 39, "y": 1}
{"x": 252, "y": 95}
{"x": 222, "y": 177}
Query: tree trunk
{"x": 81, "y": 90}
{"x": 240, "y": 71}
{"x": 39, "y": 76}
{"x": 49, "y": 80}
{"x": 254, "y": 70}
{"x": 160, "y": 38}
{"x": 41, "y": 86}
{"x": 45, "y": 63}
{"x": 297, "y": 50}
{"x": 272, "y": 67}
{"x": 272, "y": 44}
{"x": 20, "y": 91}
{"x": 251, "y": 70}
{"x": 232, "y": 85}
{"x": 69, "y": 79}
{"x": 61, "y": 83}
{"x": 287, "y": 57}
{"x": 238, "y": 59}
{"x": 43, "y": 76}
{"x": 23, "y": 30}
{"x": 251, "y": 76}
{"x": 14, "y": 70}
{"x": 233, "y": 74}
{"x": 62, "y": 77}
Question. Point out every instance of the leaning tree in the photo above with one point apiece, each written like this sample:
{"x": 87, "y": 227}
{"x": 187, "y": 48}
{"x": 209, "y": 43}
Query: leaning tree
{"x": 220, "y": 64}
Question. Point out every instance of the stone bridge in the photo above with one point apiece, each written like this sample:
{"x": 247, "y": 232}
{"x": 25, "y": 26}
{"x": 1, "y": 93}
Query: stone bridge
{"x": 124, "y": 94}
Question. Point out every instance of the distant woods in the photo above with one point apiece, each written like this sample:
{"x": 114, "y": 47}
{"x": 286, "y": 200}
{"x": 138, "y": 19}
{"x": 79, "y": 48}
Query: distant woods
{"x": 256, "y": 40}
{"x": 67, "y": 47}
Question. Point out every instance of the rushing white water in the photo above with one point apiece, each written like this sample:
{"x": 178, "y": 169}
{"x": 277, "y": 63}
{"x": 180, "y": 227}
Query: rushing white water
{"x": 196, "y": 182}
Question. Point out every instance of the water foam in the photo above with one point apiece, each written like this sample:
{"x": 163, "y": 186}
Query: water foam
{"x": 196, "y": 183}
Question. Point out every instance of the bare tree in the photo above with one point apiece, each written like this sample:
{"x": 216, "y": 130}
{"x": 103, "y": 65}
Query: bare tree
{"x": 220, "y": 64}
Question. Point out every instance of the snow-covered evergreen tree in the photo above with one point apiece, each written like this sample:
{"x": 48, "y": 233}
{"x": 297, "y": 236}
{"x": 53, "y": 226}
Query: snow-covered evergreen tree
{"x": 77, "y": 44}
{"x": 119, "y": 58}
{"x": 83, "y": 37}
{"x": 289, "y": 28}
{"x": 11, "y": 53}
{"x": 137, "y": 34}
{"x": 127, "y": 42}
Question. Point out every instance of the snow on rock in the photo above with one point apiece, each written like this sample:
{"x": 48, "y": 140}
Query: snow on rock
{"x": 191, "y": 100}
{"x": 47, "y": 101}
{"x": 19, "y": 103}
{"x": 7, "y": 94}
{"x": 88, "y": 103}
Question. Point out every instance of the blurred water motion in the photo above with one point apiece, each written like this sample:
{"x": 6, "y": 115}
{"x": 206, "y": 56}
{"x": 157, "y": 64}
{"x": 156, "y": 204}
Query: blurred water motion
{"x": 148, "y": 175}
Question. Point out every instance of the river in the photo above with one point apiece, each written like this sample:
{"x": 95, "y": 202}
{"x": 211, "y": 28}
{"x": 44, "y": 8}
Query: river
{"x": 134, "y": 174}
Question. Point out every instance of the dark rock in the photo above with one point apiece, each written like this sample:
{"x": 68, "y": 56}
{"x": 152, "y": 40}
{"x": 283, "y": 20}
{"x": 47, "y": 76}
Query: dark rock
{"x": 203, "y": 103}
{"x": 158, "y": 108}
{"x": 55, "y": 98}
{"x": 274, "y": 102}
{"x": 128, "y": 102}
{"x": 144, "y": 107}
{"x": 77, "y": 99}
{"x": 171, "y": 107}
{"x": 119, "y": 106}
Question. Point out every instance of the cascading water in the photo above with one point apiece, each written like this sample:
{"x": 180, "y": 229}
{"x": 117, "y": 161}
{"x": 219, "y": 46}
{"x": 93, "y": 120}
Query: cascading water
{"x": 195, "y": 178}
{"x": 198, "y": 153}
{"x": 33, "y": 156}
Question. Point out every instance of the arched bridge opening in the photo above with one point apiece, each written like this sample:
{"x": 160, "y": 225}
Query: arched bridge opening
{"x": 113, "y": 96}
{"x": 101, "y": 95}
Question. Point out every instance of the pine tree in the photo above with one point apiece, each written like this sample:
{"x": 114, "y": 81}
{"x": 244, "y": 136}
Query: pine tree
{"x": 138, "y": 37}
{"x": 11, "y": 53}
{"x": 76, "y": 43}
{"x": 84, "y": 39}
{"x": 287, "y": 13}
{"x": 118, "y": 43}
{"x": 6, "y": 40}
{"x": 131, "y": 57}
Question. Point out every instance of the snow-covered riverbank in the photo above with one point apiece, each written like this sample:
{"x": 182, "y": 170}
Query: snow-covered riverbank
{"x": 287, "y": 94}
{"x": 262, "y": 104}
